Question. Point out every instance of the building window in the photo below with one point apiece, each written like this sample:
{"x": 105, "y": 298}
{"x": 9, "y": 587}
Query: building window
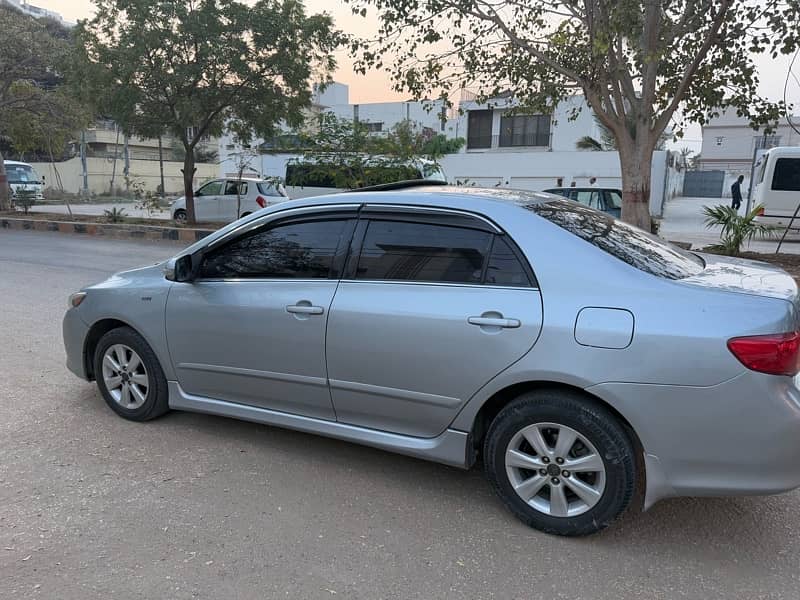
{"x": 763, "y": 142}
{"x": 479, "y": 129}
{"x": 525, "y": 130}
{"x": 373, "y": 127}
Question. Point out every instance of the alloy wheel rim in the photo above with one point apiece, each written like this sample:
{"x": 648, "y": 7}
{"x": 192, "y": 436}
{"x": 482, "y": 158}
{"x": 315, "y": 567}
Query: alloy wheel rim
{"x": 125, "y": 376}
{"x": 555, "y": 469}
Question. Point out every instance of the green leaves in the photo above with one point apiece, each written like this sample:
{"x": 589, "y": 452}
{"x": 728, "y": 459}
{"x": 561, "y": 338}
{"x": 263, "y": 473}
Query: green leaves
{"x": 736, "y": 229}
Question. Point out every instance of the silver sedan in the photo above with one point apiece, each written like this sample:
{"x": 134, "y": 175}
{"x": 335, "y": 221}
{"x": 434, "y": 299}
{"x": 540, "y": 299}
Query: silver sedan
{"x": 582, "y": 359}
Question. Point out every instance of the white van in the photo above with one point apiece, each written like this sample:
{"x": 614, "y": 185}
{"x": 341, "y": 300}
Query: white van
{"x": 22, "y": 176}
{"x": 304, "y": 179}
{"x": 777, "y": 186}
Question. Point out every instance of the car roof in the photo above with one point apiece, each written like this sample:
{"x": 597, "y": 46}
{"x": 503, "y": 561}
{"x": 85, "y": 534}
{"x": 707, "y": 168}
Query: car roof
{"x": 16, "y": 162}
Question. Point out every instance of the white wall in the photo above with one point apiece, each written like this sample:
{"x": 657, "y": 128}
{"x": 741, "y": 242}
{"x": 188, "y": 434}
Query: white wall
{"x": 538, "y": 171}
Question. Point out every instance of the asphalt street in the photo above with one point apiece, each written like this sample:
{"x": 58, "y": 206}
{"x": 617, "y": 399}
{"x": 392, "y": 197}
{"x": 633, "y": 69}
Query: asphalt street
{"x": 194, "y": 506}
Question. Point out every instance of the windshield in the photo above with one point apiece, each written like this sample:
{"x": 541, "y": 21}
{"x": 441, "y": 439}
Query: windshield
{"x": 21, "y": 174}
{"x": 638, "y": 248}
{"x": 269, "y": 189}
{"x": 433, "y": 172}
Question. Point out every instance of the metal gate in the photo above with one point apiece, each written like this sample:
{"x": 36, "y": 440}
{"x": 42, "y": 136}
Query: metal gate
{"x": 703, "y": 184}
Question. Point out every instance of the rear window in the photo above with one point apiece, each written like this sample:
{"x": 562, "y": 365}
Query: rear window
{"x": 639, "y": 249}
{"x": 787, "y": 175}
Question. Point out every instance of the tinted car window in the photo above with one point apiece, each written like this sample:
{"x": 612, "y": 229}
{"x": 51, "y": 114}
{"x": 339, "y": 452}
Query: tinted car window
{"x": 504, "y": 267}
{"x": 786, "y": 177}
{"x": 268, "y": 189}
{"x": 295, "y": 250}
{"x": 642, "y": 250}
{"x": 613, "y": 199}
{"x": 423, "y": 252}
{"x": 212, "y": 188}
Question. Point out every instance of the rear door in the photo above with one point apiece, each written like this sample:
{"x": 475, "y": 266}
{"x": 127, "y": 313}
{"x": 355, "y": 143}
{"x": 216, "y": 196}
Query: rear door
{"x": 229, "y": 203}
{"x": 432, "y": 306}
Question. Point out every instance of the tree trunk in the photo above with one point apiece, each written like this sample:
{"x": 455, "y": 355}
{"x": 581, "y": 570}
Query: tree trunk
{"x": 636, "y": 164}
{"x": 5, "y": 190}
{"x": 188, "y": 184}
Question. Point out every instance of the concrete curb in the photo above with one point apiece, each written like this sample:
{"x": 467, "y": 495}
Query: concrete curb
{"x": 108, "y": 230}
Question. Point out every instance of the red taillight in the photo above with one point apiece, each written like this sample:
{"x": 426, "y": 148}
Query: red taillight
{"x": 776, "y": 354}
{"x": 760, "y": 212}
{"x": 261, "y": 202}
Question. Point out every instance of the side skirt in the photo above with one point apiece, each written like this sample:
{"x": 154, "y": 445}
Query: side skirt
{"x": 449, "y": 447}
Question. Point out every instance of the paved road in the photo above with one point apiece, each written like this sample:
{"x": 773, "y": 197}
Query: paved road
{"x": 193, "y": 506}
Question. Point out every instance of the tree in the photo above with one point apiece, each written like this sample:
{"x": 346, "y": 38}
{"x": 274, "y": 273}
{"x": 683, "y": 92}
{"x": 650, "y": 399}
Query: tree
{"x": 34, "y": 106}
{"x": 641, "y": 61}
{"x": 196, "y": 68}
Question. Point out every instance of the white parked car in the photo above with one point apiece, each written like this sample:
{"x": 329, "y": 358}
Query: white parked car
{"x": 23, "y": 177}
{"x": 216, "y": 200}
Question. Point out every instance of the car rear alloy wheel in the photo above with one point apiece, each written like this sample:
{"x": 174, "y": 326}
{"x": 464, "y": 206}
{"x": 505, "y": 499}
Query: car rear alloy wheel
{"x": 555, "y": 469}
{"x": 125, "y": 376}
{"x": 561, "y": 461}
{"x": 180, "y": 217}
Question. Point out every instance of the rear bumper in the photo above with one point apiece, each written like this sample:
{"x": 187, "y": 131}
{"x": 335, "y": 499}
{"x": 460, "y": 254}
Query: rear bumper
{"x": 741, "y": 437}
{"x": 74, "y": 331}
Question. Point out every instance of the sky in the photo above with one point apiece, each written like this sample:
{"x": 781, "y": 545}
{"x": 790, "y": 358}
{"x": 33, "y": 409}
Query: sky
{"x": 376, "y": 86}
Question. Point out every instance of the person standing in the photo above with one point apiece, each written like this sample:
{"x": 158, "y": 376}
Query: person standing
{"x": 736, "y": 193}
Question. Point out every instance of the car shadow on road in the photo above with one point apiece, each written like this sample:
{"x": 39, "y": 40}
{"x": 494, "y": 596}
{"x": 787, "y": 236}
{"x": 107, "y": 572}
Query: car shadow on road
{"x": 695, "y": 527}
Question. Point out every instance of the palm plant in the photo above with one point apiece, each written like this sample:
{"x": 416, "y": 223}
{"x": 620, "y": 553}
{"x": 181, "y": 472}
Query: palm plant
{"x": 115, "y": 215}
{"x": 736, "y": 228}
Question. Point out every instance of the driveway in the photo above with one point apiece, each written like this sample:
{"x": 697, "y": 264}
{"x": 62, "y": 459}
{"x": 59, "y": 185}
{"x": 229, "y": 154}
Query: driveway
{"x": 194, "y": 506}
{"x": 684, "y": 222}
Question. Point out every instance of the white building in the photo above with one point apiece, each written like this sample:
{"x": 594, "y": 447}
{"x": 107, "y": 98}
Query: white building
{"x": 503, "y": 149}
{"x": 37, "y": 11}
{"x": 730, "y": 145}
{"x": 380, "y": 117}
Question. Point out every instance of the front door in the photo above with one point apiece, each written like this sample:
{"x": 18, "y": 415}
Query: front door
{"x": 430, "y": 313}
{"x": 206, "y": 201}
{"x": 251, "y": 328}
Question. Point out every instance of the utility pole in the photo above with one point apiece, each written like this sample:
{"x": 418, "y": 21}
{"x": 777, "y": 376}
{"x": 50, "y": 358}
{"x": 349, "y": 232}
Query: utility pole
{"x": 84, "y": 173}
{"x": 161, "y": 165}
{"x": 126, "y": 170}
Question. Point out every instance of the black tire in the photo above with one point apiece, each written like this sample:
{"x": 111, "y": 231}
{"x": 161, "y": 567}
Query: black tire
{"x": 589, "y": 419}
{"x": 180, "y": 216}
{"x": 156, "y": 401}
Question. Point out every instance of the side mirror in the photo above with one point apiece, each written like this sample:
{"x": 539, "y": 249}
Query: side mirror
{"x": 179, "y": 269}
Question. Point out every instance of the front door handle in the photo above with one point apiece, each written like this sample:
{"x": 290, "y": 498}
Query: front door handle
{"x": 494, "y": 322}
{"x": 305, "y": 309}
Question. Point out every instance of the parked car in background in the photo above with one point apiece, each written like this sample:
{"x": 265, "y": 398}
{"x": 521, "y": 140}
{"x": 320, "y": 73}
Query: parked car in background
{"x": 608, "y": 200}
{"x": 22, "y": 176}
{"x": 777, "y": 186}
{"x": 216, "y": 200}
{"x": 584, "y": 359}
{"x": 308, "y": 178}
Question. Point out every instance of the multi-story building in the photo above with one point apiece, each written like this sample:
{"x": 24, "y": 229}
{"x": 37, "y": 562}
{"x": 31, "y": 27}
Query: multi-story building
{"x": 37, "y": 11}
{"x": 380, "y": 117}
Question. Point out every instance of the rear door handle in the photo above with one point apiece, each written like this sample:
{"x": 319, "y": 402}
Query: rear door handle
{"x": 303, "y": 309}
{"x": 494, "y": 322}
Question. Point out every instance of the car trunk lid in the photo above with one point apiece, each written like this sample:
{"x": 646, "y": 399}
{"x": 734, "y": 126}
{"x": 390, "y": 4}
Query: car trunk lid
{"x": 745, "y": 277}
